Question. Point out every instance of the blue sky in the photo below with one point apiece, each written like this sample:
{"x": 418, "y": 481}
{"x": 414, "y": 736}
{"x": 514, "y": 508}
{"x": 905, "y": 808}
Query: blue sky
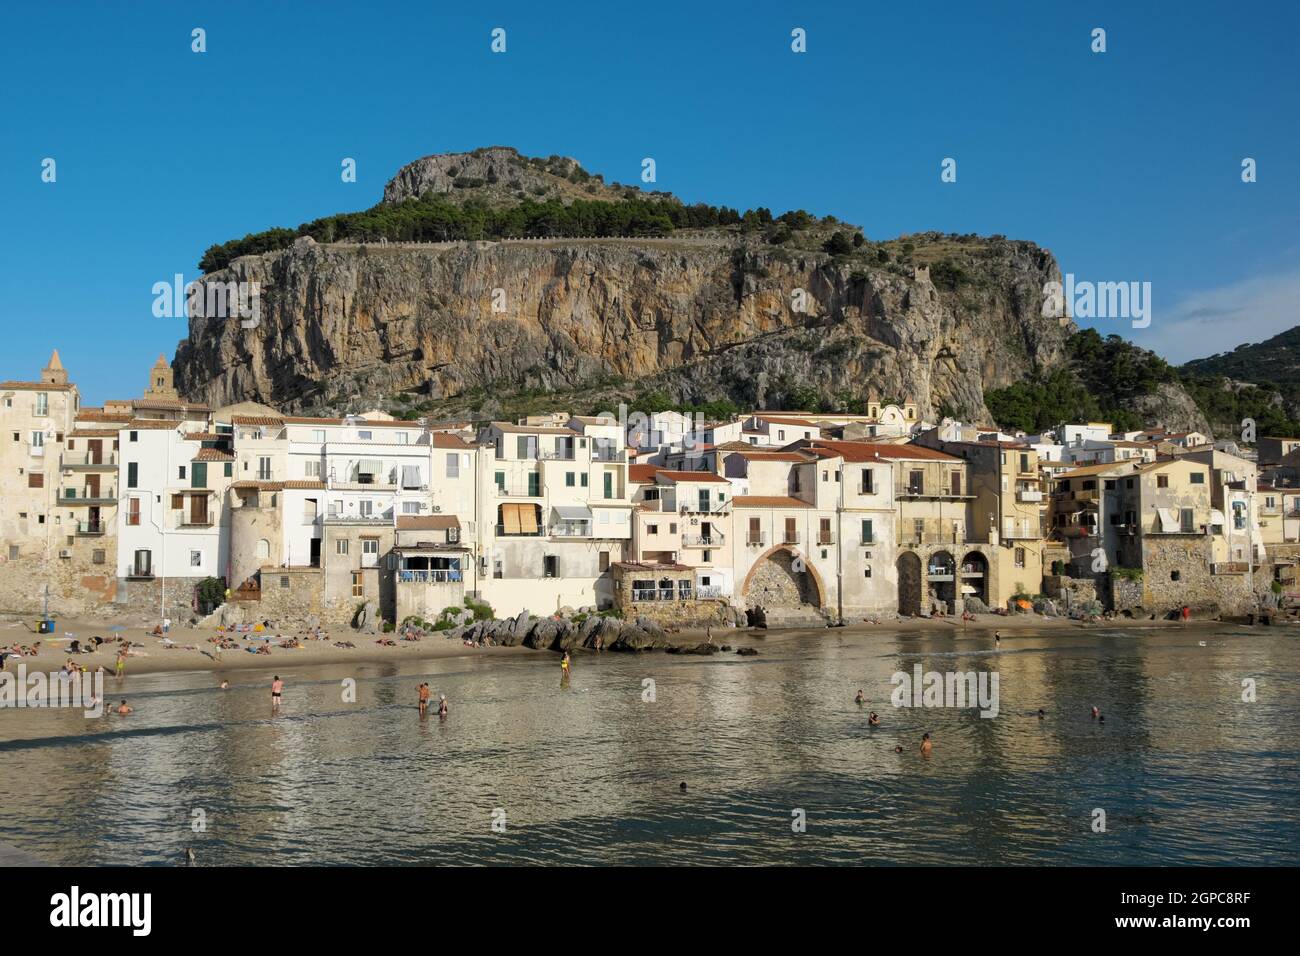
{"x": 1125, "y": 164}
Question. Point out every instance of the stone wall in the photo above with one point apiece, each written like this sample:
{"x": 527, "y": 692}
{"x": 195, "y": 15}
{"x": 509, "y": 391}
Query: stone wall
{"x": 1080, "y": 589}
{"x": 681, "y": 613}
{"x": 293, "y": 598}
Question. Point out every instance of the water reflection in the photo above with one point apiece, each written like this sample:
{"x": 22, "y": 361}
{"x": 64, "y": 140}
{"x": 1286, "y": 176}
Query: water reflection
{"x": 587, "y": 771}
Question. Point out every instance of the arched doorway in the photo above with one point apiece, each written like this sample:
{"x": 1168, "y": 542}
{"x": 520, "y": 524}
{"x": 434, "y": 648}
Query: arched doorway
{"x": 909, "y": 583}
{"x": 974, "y": 577}
{"x": 781, "y": 579}
{"x": 941, "y": 575}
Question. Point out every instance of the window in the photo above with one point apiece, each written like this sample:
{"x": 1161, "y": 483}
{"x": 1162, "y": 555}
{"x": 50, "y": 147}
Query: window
{"x": 1020, "y": 557}
{"x": 707, "y": 556}
{"x": 453, "y": 465}
{"x": 340, "y": 545}
{"x": 609, "y": 486}
{"x": 196, "y": 559}
{"x": 703, "y": 498}
{"x": 369, "y": 552}
{"x": 358, "y": 584}
{"x": 868, "y": 485}
{"x": 98, "y": 556}
{"x": 178, "y": 502}
{"x": 1110, "y": 484}
{"x": 410, "y": 507}
{"x": 313, "y": 469}
{"x": 916, "y": 482}
{"x": 35, "y": 479}
{"x": 604, "y": 562}
{"x": 13, "y": 552}
{"x": 780, "y": 434}
{"x": 181, "y": 473}
{"x": 583, "y": 482}
{"x": 264, "y": 469}
{"x": 866, "y": 572}
{"x": 498, "y": 569}
{"x": 570, "y": 479}
{"x": 1175, "y": 575}
{"x": 365, "y": 435}
{"x": 1185, "y": 520}
{"x": 229, "y": 470}
{"x": 1198, "y": 478}
{"x": 1162, "y": 481}
{"x": 318, "y": 435}
{"x": 366, "y": 508}
{"x": 501, "y": 482}
{"x": 42, "y": 403}
{"x": 551, "y": 566}
{"x": 134, "y": 436}
{"x": 1024, "y": 464}
{"x": 918, "y": 528}
{"x": 652, "y": 529}
{"x": 38, "y": 439}
{"x": 866, "y": 531}
{"x": 672, "y": 527}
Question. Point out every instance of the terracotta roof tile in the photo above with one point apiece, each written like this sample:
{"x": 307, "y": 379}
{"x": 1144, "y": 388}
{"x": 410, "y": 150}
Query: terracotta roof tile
{"x": 768, "y": 501}
{"x": 427, "y": 522}
{"x": 691, "y": 476}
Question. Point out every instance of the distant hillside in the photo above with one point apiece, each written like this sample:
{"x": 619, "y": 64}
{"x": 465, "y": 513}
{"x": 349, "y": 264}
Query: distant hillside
{"x": 1275, "y": 362}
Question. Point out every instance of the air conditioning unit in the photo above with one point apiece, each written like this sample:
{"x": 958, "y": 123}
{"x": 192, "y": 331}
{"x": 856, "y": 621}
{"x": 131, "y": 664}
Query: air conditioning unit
{"x": 65, "y": 553}
{"x": 436, "y": 508}
{"x": 695, "y": 521}
{"x": 453, "y": 535}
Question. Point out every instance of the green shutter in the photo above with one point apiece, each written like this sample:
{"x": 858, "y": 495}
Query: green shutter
{"x": 199, "y": 474}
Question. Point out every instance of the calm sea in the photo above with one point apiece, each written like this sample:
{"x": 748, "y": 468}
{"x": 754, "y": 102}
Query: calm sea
{"x": 589, "y": 772}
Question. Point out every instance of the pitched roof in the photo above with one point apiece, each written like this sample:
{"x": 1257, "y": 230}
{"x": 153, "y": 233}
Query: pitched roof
{"x": 427, "y": 522}
{"x": 256, "y": 420}
{"x": 772, "y": 455}
{"x": 36, "y": 386}
{"x": 532, "y": 429}
{"x": 642, "y": 472}
{"x": 304, "y": 484}
{"x": 768, "y": 501}
{"x": 249, "y": 485}
{"x": 213, "y": 454}
{"x": 776, "y": 420}
{"x": 862, "y": 451}
{"x": 445, "y": 440}
{"x": 691, "y": 476}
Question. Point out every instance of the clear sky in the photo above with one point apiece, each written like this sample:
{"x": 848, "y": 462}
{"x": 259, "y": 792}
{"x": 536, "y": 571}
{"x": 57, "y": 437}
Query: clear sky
{"x": 1126, "y": 164}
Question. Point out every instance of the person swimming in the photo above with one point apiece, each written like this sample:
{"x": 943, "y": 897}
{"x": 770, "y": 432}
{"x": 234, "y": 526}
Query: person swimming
{"x": 123, "y": 709}
{"x": 859, "y": 700}
{"x": 926, "y": 746}
{"x": 224, "y": 685}
{"x": 1041, "y": 713}
{"x": 1095, "y": 713}
{"x": 874, "y": 719}
{"x": 898, "y": 749}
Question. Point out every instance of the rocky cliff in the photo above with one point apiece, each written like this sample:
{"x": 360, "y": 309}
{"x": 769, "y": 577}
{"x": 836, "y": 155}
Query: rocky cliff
{"x": 758, "y": 316}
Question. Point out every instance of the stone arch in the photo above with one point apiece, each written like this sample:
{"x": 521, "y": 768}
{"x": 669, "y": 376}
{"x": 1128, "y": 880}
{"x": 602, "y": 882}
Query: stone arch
{"x": 974, "y": 572}
{"x": 941, "y": 578}
{"x": 804, "y": 585}
{"x": 909, "y": 583}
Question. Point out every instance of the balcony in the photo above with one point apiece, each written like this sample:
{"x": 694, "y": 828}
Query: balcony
{"x": 430, "y": 576}
{"x": 519, "y": 491}
{"x": 608, "y": 455}
{"x": 192, "y": 522}
{"x": 516, "y": 533}
{"x": 866, "y": 489}
{"x": 92, "y": 527}
{"x": 577, "y": 529}
{"x": 555, "y": 454}
{"x": 89, "y": 460}
{"x": 662, "y": 594}
{"x": 714, "y": 540}
{"x": 82, "y": 496}
{"x": 712, "y": 591}
{"x": 825, "y": 537}
{"x": 756, "y": 538}
{"x": 370, "y": 519}
{"x": 789, "y": 537}
{"x": 1229, "y": 567}
{"x": 1027, "y": 494}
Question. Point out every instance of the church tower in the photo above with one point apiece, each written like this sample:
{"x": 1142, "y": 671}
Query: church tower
{"x": 54, "y": 373}
{"x": 161, "y": 384}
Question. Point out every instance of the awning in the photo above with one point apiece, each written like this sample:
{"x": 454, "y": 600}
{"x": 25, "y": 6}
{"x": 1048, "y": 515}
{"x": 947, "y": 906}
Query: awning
{"x": 573, "y": 513}
{"x": 369, "y": 466}
{"x": 1216, "y": 517}
{"x": 527, "y": 519}
{"x": 510, "y": 518}
{"x": 410, "y": 476}
{"x": 1168, "y": 520}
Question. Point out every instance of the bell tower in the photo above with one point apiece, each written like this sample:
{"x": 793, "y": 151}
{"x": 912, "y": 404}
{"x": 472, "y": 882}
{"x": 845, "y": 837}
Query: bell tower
{"x": 161, "y": 384}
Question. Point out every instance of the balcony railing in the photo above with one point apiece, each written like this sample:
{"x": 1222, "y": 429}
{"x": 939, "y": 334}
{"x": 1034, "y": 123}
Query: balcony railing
{"x": 555, "y": 454}
{"x": 711, "y": 591}
{"x": 89, "y": 459}
{"x": 714, "y": 540}
{"x": 378, "y": 518}
{"x": 430, "y": 576}
{"x": 1028, "y": 494}
{"x": 789, "y": 537}
{"x": 189, "y": 521}
{"x": 81, "y": 496}
{"x": 519, "y": 491}
{"x": 578, "y": 530}
{"x": 92, "y": 527}
{"x": 662, "y": 594}
{"x": 755, "y": 538}
{"x": 503, "y": 533}
{"x": 608, "y": 454}
{"x": 825, "y": 537}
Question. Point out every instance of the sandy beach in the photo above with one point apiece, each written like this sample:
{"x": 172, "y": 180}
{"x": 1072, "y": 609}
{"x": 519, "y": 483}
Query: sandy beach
{"x": 191, "y": 650}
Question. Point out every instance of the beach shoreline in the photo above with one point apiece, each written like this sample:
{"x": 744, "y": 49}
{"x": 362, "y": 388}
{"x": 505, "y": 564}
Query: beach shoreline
{"x": 192, "y": 651}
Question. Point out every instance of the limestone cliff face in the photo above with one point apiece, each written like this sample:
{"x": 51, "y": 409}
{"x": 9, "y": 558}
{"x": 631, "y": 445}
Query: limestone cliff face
{"x": 700, "y": 316}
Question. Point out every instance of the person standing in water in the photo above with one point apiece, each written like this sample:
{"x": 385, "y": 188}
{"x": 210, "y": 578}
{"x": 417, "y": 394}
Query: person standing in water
{"x": 564, "y": 664}
{"x": 442, "y": 705}
{"x": 277, "y": 688}
{"x": 926, "y": 746}
{"x": 997, "y": 638}
{"x": 424, "y": 699}
{"x": 859, "y": 700}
